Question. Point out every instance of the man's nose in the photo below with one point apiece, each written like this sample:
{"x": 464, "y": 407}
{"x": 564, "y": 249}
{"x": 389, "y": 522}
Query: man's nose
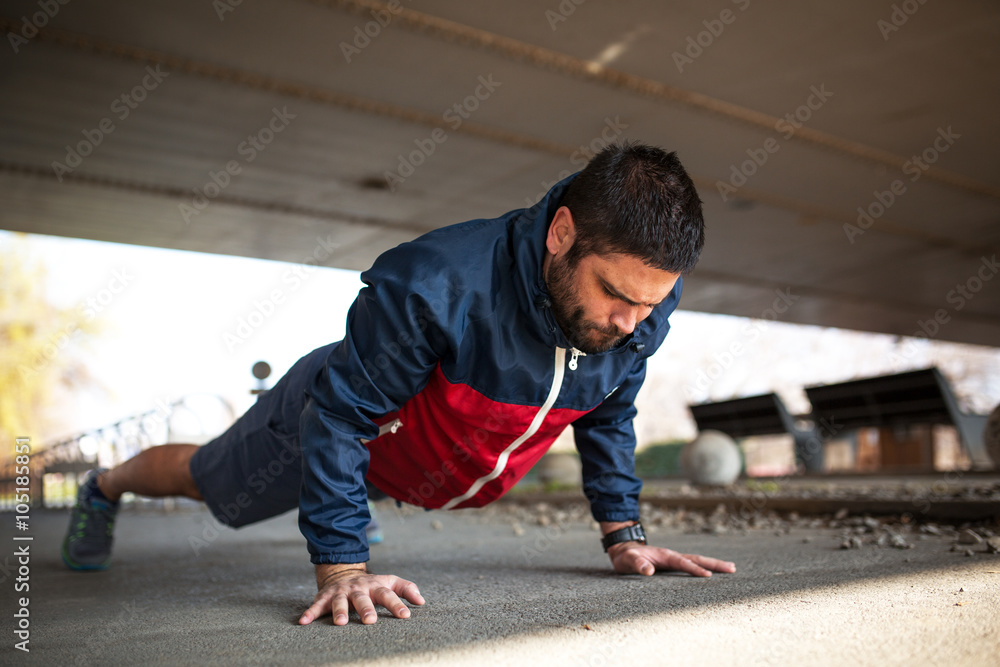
{"x": 625, "y": 319}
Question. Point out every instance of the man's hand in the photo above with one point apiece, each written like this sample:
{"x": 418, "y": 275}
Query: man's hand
{"x": 633, "y": 557}
{"x": 637, "y": 558}
{"x": 342, "y": 587}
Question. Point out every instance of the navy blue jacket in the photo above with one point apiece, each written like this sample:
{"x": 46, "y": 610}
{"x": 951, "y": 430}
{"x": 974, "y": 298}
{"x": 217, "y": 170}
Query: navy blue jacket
{"x": 453, "y": 379}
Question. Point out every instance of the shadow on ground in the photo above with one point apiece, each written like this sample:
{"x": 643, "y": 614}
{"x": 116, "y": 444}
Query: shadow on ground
{"x": 184, "y": 589}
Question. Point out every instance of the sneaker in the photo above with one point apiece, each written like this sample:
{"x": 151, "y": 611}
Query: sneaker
{"x": 88, "y": 540}
{"x": 373, "y": 530}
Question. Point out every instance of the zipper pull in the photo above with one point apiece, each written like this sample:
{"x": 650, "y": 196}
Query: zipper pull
{"x": 395, "y": 425}
{"x": 573, "y": 359}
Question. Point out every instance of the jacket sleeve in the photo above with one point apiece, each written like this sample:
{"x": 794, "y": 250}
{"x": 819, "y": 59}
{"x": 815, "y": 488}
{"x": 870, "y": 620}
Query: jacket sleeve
{"x": 605, "y": 439}
{"x": 396, "y": 333}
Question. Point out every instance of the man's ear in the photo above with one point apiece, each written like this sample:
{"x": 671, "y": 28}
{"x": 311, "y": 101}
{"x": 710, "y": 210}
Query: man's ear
{"x": 562, "y": 232}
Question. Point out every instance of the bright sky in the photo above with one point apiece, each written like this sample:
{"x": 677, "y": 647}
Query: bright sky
{"x": 184, "y": 323}
{"x": 168, "y": 323}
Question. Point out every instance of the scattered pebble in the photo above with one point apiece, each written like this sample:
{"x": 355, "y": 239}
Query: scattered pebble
{"x": 853, "y": 542}
{"x": 899, "y": 542}
{"x": 724, "y": 519}
{"x": 437, "y": 525}
{"x": 969, "y": 536}
{"x": 969, "y": 552}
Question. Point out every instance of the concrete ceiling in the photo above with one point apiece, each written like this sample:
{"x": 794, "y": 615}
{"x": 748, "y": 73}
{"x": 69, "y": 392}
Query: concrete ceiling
{"x": 884, "y": 87}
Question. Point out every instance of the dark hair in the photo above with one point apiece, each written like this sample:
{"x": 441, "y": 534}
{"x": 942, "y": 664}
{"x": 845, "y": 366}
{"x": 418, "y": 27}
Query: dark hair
{"x": 636, "y": 200}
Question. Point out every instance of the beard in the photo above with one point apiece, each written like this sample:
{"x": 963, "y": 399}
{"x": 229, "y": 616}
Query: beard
{"x": 567, "y": 308}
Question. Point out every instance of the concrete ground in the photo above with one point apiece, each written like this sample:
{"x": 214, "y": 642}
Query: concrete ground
{"x": 183, "y": 590}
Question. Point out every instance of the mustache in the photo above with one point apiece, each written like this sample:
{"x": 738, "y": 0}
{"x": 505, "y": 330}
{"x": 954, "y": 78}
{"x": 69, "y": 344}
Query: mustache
{"x": 609, "y": 331}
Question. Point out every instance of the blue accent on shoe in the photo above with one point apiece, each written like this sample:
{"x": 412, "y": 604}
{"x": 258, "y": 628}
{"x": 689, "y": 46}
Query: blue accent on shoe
{"x": 87, "y": 545}
{"x": 373, "y": 531}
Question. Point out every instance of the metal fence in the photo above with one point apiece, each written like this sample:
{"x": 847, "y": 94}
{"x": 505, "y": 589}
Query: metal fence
{"x": 57, "y": 469}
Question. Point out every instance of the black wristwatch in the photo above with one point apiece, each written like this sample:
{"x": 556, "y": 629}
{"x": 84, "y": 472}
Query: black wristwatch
{"x": 628, "y": 534}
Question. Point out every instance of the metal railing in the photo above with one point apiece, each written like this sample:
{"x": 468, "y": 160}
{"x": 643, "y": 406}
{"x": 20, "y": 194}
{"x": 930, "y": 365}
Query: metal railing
{"x": 57, "y": 469}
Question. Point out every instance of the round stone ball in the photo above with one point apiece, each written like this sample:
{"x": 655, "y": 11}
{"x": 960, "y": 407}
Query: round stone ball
{"x": 711, "y": 459}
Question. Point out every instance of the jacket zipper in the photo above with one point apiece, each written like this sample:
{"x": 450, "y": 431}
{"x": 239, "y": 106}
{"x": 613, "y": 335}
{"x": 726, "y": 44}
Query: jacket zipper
{"x": 390, "y": 427}
{"x": 536, "y": 423}
{"x": 576, "y": 355}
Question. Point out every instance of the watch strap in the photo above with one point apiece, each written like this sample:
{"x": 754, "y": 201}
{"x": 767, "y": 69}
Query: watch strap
{"x": 634, "y": 533}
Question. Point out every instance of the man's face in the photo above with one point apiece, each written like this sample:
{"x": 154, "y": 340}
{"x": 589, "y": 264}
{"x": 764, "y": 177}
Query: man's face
{"x": 602, "y": 299}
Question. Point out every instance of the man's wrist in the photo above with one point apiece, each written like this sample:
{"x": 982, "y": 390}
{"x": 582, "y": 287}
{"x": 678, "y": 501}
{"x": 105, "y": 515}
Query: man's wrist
{"x": 621, "y": 532}
{"x": 327, "y": 571}
{"x": 612, "y": 526}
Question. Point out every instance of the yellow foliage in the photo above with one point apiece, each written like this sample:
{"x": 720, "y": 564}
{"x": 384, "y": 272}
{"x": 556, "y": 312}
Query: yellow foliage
{"x": 39, "y": 343}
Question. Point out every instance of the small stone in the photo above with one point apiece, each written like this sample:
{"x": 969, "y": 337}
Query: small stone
{"x": 518, "y": 530}
{"x": 931, "y": 529}
{"x": 899, "y": 542}
{"x": 544, "y": 520}
{"x": 993, "y": 545}
{"x": 841, "y": 514}
{"x": 961, "y": 590}
{"x": 853, "y": 542}
{"x": 437, "y": 525}
{"x": 968, "y": 552}
{"x": 806, "y": 540}
{"x": 969, "y": 536}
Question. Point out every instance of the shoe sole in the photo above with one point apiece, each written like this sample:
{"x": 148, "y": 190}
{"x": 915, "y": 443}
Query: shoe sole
{"x": 80, "y": 567}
